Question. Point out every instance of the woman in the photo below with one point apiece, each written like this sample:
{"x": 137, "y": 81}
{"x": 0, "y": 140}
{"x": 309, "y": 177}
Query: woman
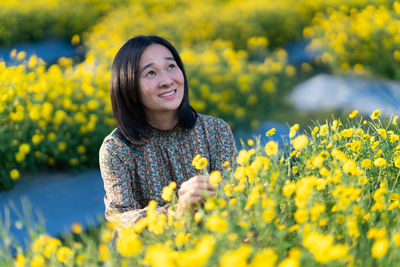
{"x": 158, "y": 133}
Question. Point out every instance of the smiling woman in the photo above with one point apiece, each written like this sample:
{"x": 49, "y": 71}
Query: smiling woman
{"x": 158, "y": 134}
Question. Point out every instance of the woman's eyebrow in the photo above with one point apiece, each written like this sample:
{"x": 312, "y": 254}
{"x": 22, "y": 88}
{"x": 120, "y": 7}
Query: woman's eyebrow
{"x": 150, "y": 64}
{"x": 145, "y": 67}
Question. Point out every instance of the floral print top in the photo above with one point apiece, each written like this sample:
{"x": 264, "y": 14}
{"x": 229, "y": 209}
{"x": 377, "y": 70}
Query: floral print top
{"x": 135, "y": 174}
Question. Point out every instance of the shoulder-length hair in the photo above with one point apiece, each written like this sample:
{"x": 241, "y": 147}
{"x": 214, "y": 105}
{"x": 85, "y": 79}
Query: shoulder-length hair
{"x": 125, "y": 100}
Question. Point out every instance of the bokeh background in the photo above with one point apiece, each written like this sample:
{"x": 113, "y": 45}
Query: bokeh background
{"x": 256, "y": 64}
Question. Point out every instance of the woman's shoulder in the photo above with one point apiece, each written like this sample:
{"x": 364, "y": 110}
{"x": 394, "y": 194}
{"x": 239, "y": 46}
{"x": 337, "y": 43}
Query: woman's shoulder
{"x": 212, "y": 122}
{"x": 115, "y": 142}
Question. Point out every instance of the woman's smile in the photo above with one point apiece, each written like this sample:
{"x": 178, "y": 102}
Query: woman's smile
{"x": 161, "y": 83}
{"x": 169, "y": 94}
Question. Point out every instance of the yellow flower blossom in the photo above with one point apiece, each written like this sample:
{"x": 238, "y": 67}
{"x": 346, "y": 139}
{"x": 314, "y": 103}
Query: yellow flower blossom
{"x": 375, "y": 115}
{"x": 271, "y": 148}
{"x": 324, "y": 130}
{"x": 270, "y": 132}
{"x": 77, "y": 228}
{"x": 379, "y": 162}
{"x": 199, "y": 162}
{"x": 353, "y": 114}
{"x": 217, "y": 224}
{"x": 168, "y": 191}
{"x": 380, "y": 247}
{"x": 128, "y": 244}
{"x": 300, "y": 142}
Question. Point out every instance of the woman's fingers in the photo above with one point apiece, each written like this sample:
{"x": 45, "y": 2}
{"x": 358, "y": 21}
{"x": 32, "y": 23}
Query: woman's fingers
{"x": 193, "y": 190}
{"x": 205, "y": 188}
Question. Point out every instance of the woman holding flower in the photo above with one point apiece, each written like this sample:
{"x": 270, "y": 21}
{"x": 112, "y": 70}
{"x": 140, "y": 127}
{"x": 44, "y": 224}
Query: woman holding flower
{"x": 158, "y": 133}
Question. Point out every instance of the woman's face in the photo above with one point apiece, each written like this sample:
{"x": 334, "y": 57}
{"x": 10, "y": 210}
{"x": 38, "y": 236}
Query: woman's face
{"x": 161, "y": 81}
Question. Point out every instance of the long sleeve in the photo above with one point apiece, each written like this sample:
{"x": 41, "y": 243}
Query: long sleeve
{"x": 121, "y": 199}
{"x": 225, "y": 145}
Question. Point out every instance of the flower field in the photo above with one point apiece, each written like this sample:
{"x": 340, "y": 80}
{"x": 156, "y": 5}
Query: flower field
{"x": 365, "y": 40}
{"x": 329, "y": 197}
{"x": 57, "y": 115}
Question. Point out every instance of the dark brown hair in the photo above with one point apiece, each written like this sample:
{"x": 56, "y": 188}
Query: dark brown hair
{"x": 127, "y": 108}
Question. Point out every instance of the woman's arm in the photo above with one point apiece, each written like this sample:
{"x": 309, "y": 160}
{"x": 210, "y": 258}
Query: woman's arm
{"x": 121, "y": 199}
{"x": 225, "y": 146}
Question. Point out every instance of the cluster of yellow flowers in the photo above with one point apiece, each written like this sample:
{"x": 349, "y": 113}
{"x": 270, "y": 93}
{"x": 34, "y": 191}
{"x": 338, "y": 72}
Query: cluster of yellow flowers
{"x": 55, "y": 117}
{"x": 49, "y": 18}
{"x": 329, "y": 197}
{"x": 61, "y": 113}
{"x": 364, "y": 40}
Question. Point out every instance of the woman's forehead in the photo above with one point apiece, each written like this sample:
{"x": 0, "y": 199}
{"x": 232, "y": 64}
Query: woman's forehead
{"x": 154, "y": 53}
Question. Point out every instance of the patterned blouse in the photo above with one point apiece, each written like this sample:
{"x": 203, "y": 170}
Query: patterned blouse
{"x": 135, "y": 174}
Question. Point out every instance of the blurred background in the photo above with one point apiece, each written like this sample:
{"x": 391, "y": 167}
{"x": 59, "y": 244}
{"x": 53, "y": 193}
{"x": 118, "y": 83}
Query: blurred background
{"x": 257, "y": 64}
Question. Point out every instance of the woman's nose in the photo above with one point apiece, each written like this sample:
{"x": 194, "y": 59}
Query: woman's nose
{"x": 165, "y": 80}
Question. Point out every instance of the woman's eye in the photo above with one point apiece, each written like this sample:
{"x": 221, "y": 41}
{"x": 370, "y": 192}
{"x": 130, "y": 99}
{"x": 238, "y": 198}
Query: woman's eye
{"x": 150, "y": 73}
{"x": 171, "y": 66}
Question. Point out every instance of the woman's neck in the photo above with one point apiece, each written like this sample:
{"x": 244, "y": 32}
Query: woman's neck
{"x": 163, "y": 121}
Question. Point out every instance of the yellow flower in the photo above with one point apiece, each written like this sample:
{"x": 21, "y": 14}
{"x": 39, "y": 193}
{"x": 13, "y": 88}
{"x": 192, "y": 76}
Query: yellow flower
{"x": 295, "y": 170}
{"x": 64, "y": 254}
{"x": 316, "y": 210}
{"x": 347, "y": 132}
{"x": 353, "y": 114}
{"x": 128, "y": 244}
{"x": 199, "y": 162}
{"x": 181, "y": 239}
{"x": 350, "y": 166}
{"x": 37, "y": 261}
{"x": 288, "y": 189}
{"x": 289, "y": 262}
{"x": 300, "y": 142}
{"x": 158, "y": 255}
{"x": 244, "y": 156}
{"x": 301, "y": 216}
{"x": 14, "y": 174}
{"x": 380, "y": 247}
{"x": 379, "y": 162}
{"x": 396, "y": 239}
{"x": 324, "y": 130}
{"x": 271, "y": 132}
{"x": 237, "y": 257}
{"x": 168, "y": 191}
{"x": 382, "y": 133}
{"x": 271, "y": 148}
{"x": 62, "y": 146}
{"x": 77, "y": 228}
{"x": 366, "y": 163}
{"x": 264, "y": 258}
{"x": 395, "y": 120}
{"x": 293, "y": 130}
{"x": 253, "y": 196}
{"x": 397, "y": 162}
{"x": 393, "y": 138}
{"x": 19, "y": 261}
{"x": 315, "y": 130}
{"x": 217, "y": 224}
{"x": 375, "y": 115}
{"x": 268, "y": 215}
{"x": 215, "y": 178}
{"x": 104, "y": 253}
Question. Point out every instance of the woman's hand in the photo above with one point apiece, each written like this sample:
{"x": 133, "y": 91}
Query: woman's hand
{"x": 192, "y": 192}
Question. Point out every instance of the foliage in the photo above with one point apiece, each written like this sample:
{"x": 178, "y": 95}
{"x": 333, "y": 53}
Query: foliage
{"x": 22, "y": 20}
{"x": 365, "y": 40}
{"x": 331, "y": 198}
{"x": 51, "y": 118}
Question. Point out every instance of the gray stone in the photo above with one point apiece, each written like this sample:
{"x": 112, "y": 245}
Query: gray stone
{"x": 328, "y": 92}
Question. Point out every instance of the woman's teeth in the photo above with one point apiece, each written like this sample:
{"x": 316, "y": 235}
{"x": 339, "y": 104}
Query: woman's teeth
{"x": 168, "y": 94}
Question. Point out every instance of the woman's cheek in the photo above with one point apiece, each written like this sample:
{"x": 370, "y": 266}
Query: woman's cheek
{"x": 179, "y": 77}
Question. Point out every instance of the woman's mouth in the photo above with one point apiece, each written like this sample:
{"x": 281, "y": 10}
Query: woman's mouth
{"x": 169, "y": 94}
